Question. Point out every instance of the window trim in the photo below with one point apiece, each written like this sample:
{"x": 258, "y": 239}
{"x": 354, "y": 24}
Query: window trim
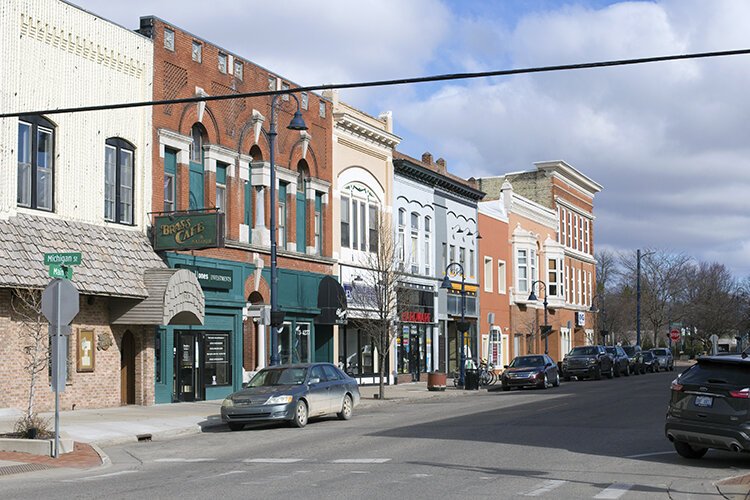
{"x": 238, "y": 65}
{"x": 222, "y": 57}
{"x": 119, "y": 145}
{"x": 169, "y": 47}
{"x": 196, "y": 56}
{"x": 35, "y": 123}
{"x": 502, "y": 284}
{"x": 489, "y": 285}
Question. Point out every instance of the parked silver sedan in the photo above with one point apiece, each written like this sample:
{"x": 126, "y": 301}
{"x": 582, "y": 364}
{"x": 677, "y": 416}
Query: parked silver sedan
{"x": 293, "y": 393}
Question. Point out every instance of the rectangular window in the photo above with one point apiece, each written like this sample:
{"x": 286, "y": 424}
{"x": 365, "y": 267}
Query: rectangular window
{"x": 579, "y": 286}
{"x": 284, "y": 86}
{"x": 24, "y": 164}
{"x": 452, "y": 254}
{"x": 355, "y": 226}
{"x": 488, "y": 268}
{"x": 197, "y": 51}
{"x": 169, "y": 191}
{"x": 373, "y": 228}
{"x": 462, "y": 258}
{"x": 110, "y": 183}
{"x": 533, "y": 265}
{"x": 362, "y": 226}
{"x": 569, "y": 243}
{"x": 427, "y": 259}
{"x": 303, "y": 100}
{"x": 126, "y": 186}
{"x": 562, "y": 233}
{"x": 238, "y": 69}
{"x": 471, "y": 263}
{"x": 281, "y": 223}
{"x": 552, "y": 277}
{"x": 401, "y": 244}
{"x": 322, "y": 109}
{"x": 414, "y": 242}
{"x": 523, "y": 271}
{"x": 501, "y": 276}
{"x": 217, "y": 366}
{"x": 44, "y": 169}
{"x": 580, "y": 232}
{"x": 222, "y": 62}
{"x": 221, "y": 188}
{"x": 445, "y": 256}
{"x": 271, "y": 82}
{"x": 575, "y": 232}
{"x": 318, "y": 224}
{"x": 345, "y": 222}
{"x": 587, "y": 240}
{"x": 118, "y": 182}
{"x": 168, "y": 39}
{"x": 567, "y": 282}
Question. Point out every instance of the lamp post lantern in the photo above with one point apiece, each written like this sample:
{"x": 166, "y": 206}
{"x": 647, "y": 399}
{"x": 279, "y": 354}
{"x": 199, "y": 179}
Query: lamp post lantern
{"x": 545, "y": 329}
{"x": 277, "y": 317}
{"x": 463, "y": 325}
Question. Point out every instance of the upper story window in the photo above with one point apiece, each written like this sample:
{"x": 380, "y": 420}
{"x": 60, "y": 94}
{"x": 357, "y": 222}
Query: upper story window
{"x": 428, "y": 246}
{"x": 462, "y": 259}
{"x": 271, "y": 82}
{"x": 238, "y": 69}
{"x": 303, "y": 100}
{"x": 281, "y": 218}
{"x": 36, "y": 148}
{"x": 318, "y": 242}
{"x": 322, "y": 109}
{"x": 345, "y": 221}
{"x": 359, "y": 218}
{"x": 414, "y": 242}
{"x": 221, "y": 187}
{"x": 197, "y": 51}
{"x": 488, "y": 270}
{"x": 170, "y": 180}
{"x": 374, "y": 227}
{"x": 169, "y": 39}
{"x": 575, "y": 230}
{"x": 222, "y": 62}
{"x": 196, "y": 148}
{"x": 401, "y": 229}
{"x": 118, "y": 181}
{"x": 555, "y": 277}
{"x": 284, "y": 86}
{"x": 471, "y": 262}
{"x": 500, "y": 276}
{"x": 522, "y": 270}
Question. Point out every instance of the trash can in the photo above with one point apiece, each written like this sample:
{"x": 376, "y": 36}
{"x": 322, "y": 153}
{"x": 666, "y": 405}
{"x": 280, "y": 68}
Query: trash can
{"x": 471, "y": 379}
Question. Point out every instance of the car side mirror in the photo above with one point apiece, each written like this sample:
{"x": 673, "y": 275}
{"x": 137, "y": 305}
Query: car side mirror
{"x": 505, "y": 366}
{"x": 548, "y": 365}
{"x": 315, "y": 380}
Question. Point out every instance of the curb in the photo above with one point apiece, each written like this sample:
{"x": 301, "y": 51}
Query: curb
{"x": 106, "y": 462}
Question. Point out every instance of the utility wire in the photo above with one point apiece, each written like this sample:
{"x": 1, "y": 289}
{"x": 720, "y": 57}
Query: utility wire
{"x": 385, "y": 83}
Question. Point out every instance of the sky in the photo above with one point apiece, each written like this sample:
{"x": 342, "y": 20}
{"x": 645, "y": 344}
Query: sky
{"x": 668, "y": 142}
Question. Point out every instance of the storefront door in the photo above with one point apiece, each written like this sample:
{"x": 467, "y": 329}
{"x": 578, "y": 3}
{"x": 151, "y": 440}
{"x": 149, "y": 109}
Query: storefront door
{"x": 203, "y": 360}
{"x": 294, "y": 343}
{"x": 187, "y": 369}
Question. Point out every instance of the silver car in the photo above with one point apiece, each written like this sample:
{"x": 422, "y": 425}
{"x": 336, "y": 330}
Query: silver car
{"x": 292, "y": 393}
{"x": 664, "y": 359}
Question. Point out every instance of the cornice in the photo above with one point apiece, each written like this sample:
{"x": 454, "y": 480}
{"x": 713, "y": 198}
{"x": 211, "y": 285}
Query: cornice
{"x": 428, "y": 177}
{"x": 534, "y": 211}
{"x": 365, "y": 131}
{"x": 565, "y": 203}
{"x": 570, "y": 174}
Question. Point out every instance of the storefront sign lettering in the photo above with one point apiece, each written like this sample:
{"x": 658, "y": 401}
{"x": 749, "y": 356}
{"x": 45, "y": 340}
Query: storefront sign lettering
{"x": 186, "y": 231}
{"x": 216, "y": 348}
{"x": 211, "y": 278}
{"x": 416, "y": 317}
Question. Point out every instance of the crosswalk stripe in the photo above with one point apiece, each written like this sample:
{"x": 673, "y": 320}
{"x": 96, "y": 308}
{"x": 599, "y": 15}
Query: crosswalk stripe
{"x": 614, "y": 491}
{"x": 361, "y": 461}
{"x": 545, "y": 487}
{"x": 272, "y": 460}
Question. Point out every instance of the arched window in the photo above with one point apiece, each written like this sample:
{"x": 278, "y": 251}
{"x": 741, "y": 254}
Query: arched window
{"x": 196, "y": 198}
{"x": 118, "y": 181}
{"x": 36, "y": 152}
{"x": 198, "y": 134}
{"x": 303, "y": 174}
{"x": 428, "y": 245}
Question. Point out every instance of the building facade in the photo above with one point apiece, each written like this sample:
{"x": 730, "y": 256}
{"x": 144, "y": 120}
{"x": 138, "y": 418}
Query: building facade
{"x": 362, "y": 195}
{"x": 212, "y": 159}
{"x": 80, "y": 183}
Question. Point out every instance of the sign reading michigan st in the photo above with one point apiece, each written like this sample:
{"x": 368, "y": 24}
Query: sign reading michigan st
{"x": 188, "y": 231}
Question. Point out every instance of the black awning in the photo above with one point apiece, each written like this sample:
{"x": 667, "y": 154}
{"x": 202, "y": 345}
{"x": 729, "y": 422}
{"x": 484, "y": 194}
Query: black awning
{"x": 331, "y": 302}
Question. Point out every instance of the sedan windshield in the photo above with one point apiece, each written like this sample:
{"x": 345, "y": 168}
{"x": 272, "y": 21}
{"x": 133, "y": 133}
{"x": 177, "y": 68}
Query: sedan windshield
{"x": 629, "y": 350}
{"x": 648, "y": 356}
{"x": 584, "y": 351}
{"x": 527, "y": 362}
{"x": 660, "y": 352}
{"x": 278, "y": 376}
{"x": 611, "y": 350}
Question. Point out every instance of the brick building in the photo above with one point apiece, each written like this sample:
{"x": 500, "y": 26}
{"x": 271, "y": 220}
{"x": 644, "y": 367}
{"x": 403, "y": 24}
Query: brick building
{"x": 78, "y": 182}
{"x": 213, "y": 158}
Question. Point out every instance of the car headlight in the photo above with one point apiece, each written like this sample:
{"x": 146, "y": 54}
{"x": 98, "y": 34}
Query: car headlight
{"x": 592, "y": 361}
{"x": 227, "y": 403}
{"x": 279, "y": 400}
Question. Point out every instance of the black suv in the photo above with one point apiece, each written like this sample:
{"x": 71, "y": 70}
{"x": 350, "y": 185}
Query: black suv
{"x": 633, "y": 360}
{"x": 591, "y": 361}
{"x": 710, "y": 406}
{"x": 620, "y": 360}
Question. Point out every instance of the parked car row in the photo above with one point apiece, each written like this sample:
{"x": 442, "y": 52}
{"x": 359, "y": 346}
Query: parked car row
{"x": 534, "y": 370}
{"x": 597, "y": 361}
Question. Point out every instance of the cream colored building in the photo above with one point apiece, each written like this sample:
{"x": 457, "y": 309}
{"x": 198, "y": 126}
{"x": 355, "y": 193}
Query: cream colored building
{"x": 362, "y": 192}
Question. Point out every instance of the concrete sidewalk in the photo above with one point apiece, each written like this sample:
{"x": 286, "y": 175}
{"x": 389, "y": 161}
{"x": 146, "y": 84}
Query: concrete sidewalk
{"x": 109, "y": 426}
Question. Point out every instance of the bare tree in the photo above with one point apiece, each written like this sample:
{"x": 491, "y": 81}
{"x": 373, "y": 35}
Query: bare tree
{"x": 712, "y": 301}
{"x": 27, "y": 306}
{"x": 375, "y": 293}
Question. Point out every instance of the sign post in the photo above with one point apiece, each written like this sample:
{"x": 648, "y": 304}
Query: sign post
{"x": 59, "y": 306}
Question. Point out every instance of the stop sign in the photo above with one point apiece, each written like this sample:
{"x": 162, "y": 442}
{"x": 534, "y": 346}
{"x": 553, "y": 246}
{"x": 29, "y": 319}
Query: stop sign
{"x": 674, "y": 335}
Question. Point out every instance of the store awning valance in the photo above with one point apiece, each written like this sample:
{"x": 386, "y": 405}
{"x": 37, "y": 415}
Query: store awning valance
{"x": 331, "y": 302}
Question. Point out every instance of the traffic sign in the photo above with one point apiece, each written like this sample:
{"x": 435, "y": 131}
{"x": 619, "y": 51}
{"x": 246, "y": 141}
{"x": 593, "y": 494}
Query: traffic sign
{"x": 60, "y": 302}
{"x": 674, "y": 335}
{"x": 66, "y": 258}
{"x": 58, "y": 271}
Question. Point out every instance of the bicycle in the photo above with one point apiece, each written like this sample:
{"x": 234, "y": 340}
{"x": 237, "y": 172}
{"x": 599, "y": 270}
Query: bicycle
{"x": 487, "y": 374}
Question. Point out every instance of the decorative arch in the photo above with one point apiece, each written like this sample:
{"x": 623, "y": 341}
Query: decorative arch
{"x": 256, "y": 153}
{"x": 356, "y": 173}
{"x": 261, "y": 288}
{"x": 189, "y": 116}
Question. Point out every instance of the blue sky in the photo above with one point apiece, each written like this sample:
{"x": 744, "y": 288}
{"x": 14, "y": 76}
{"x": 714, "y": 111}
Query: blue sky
{"x": 667, "y": 141}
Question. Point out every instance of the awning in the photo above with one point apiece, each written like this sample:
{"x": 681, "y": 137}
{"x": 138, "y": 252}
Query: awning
{"x": 331, "y": 302}
{"x": 174, "y": 298}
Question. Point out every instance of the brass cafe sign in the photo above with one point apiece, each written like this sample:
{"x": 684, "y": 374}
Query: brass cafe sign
{"x": 186, "y": 231}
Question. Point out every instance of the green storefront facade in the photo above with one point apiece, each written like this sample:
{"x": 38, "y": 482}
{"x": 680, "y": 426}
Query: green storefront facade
{"x": 205, "y": 362}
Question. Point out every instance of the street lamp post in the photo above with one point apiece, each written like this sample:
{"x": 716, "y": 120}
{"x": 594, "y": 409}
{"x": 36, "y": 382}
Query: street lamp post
{"x": 463, "y": 325}
{"x": 593, "y": 309}
{"x": 277, "y": 317}
{"x": 545, "y": 329}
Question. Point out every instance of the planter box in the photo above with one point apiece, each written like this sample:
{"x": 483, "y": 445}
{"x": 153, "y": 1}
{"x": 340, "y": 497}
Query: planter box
{"x": 436, "y": 381}
{"x": 35, "y": 446}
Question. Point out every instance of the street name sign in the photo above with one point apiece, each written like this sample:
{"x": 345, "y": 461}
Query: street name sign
{"x": 59, "y": 271}
{"x": 62, "y": 259}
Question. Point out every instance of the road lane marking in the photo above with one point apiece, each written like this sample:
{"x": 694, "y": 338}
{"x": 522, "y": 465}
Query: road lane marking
{"x": 651, "y": 454}
{"x": 359, "y": 472}
{"x": 361, "y": 461}
{"x": 185, "y": 460}
{"x": 616, "y": 490}
{"x": 545, "y": 487}
{"x": 101, "y": 476}
{"x": 272, "y": 460}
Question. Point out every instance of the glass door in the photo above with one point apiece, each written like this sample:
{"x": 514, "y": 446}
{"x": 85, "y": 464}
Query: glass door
{"x": 188, "y": 386}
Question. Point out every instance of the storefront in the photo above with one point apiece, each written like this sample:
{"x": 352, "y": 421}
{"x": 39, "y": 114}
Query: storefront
{"x": 456, "y": 339}
{"x": 416, "y": 305}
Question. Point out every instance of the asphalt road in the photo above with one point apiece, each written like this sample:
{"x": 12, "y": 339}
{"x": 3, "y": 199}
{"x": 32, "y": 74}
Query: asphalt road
{"x": 589, "y": 439}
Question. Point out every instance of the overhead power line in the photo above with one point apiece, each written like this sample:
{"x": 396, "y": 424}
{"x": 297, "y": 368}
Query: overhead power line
{"x": 384, "y": 83}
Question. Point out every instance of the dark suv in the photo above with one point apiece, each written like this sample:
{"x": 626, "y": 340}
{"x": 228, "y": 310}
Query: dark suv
{"x": 710, "y": 406}
{"x": 620, "y": 360}
{"x": 591, "y": 361}
{"x": 633, "y": 360}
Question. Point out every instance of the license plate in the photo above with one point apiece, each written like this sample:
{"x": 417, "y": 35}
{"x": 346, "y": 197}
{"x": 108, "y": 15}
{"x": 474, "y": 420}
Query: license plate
{"x": 704, "y": 401}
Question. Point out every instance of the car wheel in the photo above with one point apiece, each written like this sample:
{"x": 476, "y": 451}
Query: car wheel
{"x": 235, "y": 426}
{"x": 545, "y": 383}
{"x": 346, "y": 408}
{"x": 616, "y": 373}
{"x": 598, "y": 373}
{"x": 627, "y": 371}
{"x": 506, "y": 387}
{"x": 688, "y": 451}
{"x": 671, "y": 368}
{"x": 611, "y": 373}
{"x": 566, "y": 378}
{"x": 300, "y": 414}
{"x": 556, "y": 383}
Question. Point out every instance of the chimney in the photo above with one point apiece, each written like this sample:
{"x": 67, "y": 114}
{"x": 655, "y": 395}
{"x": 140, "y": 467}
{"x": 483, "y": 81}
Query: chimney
{"x": 427, "y": 158}
{"x": 443, "y": 165}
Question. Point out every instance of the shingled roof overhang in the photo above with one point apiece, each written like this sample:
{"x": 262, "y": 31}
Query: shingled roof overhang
{"x": 426, "y": 176}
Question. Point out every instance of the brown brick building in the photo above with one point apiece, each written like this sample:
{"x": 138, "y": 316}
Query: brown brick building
{"x": 213, "y": 157}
